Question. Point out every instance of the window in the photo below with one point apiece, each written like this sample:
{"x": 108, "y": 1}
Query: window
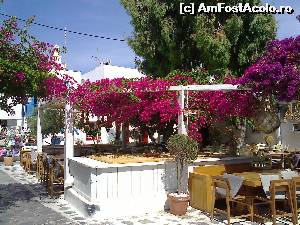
{"x": 3, "y": 123}
{"x": 296, "y": 127}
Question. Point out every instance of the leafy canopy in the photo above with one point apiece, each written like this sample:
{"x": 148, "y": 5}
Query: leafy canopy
{"x": 25, "y": 64}
{"x": 183, "y": 148}
{"x": 165, "y": 41}
{"x": 52, "y": 120}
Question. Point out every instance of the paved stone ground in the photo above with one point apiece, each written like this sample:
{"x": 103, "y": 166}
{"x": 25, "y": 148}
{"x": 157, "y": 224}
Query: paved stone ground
{"x": 19, "y": 205}
{"x": 23, "y": 201}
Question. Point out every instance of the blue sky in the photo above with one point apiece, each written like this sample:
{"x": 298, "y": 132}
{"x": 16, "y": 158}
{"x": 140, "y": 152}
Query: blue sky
{"x": 106, "y": 18}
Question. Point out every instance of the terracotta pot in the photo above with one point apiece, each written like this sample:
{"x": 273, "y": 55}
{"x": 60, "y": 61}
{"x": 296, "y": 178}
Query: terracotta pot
{"x": 8, "y": 161}
{"x": 178, "y": 204}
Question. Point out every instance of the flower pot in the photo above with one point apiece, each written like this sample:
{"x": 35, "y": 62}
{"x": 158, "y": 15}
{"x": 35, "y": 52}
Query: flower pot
{"x": 8, "y": 161}
{"x": 178, "y": 203}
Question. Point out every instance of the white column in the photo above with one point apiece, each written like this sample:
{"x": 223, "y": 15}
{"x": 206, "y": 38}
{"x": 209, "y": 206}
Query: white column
{"x": 181, "y": 125}
{"x": 279, "y": 138}
{"x": 39, "y": 137}
{"x": 69, "y": 144}
{"x": 23, "y": 116}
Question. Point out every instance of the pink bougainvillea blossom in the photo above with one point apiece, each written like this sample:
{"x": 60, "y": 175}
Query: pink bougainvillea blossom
{"x": 148, "y": 102}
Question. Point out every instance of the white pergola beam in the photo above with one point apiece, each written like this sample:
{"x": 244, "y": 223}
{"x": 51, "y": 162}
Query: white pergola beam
{"x": 181, "y": 97}
{"x": 212, "y": 87}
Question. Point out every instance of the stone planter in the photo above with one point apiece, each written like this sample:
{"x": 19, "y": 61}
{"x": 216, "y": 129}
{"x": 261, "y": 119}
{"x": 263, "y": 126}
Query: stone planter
{"x": 178, "y": 204}
{"x": 8, "y": 161}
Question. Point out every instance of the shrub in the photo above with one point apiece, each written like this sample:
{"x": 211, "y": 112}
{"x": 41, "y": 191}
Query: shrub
{"x": 184, "y": 150}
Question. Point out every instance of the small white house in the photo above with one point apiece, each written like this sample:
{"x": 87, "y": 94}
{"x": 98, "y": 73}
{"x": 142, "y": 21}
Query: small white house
{"x": 12, "y": 121}
{"x": 288, "y": 134}
{"x": 106, "y": 70}
{"x": 76, "y": 75}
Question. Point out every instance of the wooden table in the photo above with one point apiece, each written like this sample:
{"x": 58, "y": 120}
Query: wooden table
{"x": 281, "y": 157}
{"x": 60, "y": 157}
{"x": 252, "y": 179}
{"x": 282, "y": 154}
{"x": 252, "y": 186}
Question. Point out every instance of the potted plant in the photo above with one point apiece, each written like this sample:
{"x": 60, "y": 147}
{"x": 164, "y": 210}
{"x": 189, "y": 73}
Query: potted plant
{"x": 8, "y": 158}
{"x": 184, "y": 150}
{"x": 12, "y": 144}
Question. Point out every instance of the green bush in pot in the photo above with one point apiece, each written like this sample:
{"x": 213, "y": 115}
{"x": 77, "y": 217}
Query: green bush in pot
{"x": 184, "y": 150}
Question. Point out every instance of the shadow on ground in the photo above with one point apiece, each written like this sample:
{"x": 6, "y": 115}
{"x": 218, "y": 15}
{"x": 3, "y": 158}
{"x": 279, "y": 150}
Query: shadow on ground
{"x": 21, "y": 204}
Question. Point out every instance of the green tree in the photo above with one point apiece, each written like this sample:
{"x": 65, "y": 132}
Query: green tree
{"x": 52, "y": 120}
{"x": 223, "y": 43}
{"x": 25, "y": 64}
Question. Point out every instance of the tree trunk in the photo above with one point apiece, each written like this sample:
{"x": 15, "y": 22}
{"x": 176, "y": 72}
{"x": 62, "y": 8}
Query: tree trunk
{"x": 182, "y": 177}
{"x": 118, "y": 131}
{"x": 125, "y": 134}
{"x": 239, "y": 136}
{"x": 145, "y": 137}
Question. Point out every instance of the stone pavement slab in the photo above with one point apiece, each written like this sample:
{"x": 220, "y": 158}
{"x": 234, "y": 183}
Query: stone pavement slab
{"x": 20, "y": 206}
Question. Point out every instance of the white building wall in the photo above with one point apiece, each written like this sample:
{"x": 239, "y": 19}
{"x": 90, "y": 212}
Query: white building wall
{"x": 258, "y": 137}
{"x": 284, "y": 134}
{"x": 108, "y": 71}
{"x": 289, "y": 137}
{"x": 17, "y": 116}
{"x": 15, "y": 119}
{"x": 75, "y": 74}
{"x": 95, "y": 74}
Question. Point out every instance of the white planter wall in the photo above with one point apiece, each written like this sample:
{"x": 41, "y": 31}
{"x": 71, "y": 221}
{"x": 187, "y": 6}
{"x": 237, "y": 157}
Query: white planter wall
{"x": 109, "y": 189}
{"x": 124, "y": 188}
{"x": 83, "y": 183}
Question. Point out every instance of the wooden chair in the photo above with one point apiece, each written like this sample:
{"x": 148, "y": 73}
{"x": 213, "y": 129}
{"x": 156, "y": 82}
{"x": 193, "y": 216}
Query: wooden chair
{"x": 294, "y": 161}
{"x": 40, "y": 167}
{"x": 224, "y": 149}
{"x": 45, "y": 173}
{"x": 31, "y": 161}
{"x": 208, "y": 150}
{"x": 23, "y": 157}
{"x": 56, "y": 178}
{"x": 27, "y": 161}
{"x": 276, "y": 190}
{"x": 262, "y": 160}
{"x": 222, "y": 189}
{"x": 296, "y": 195}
